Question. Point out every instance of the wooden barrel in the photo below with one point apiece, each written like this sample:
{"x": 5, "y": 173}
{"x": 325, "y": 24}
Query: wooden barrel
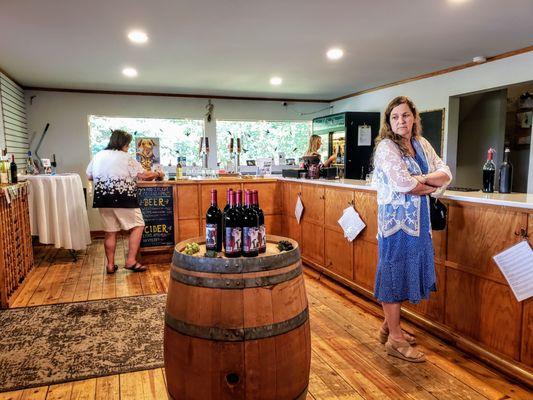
{"x": 237, "y": 328}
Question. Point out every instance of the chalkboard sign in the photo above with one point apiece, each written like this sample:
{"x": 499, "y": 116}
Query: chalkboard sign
{"x": 157, "y": 207}
{"x": 433, "y": 128}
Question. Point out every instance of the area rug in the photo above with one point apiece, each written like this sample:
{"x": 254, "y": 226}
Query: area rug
{"x": 58, "y": 343}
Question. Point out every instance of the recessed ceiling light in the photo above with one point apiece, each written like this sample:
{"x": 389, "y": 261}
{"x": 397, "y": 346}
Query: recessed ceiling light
{"x": 130, "y": 72}
{"x": 276, "y": 80}
{"x": 479, "y": 59}
{"x": 335, "y": 53}
{"x": 137, "y": 36}
{"x": 457, "y": 1}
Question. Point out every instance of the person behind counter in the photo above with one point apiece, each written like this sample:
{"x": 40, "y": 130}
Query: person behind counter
{"x": 315, "y": 142}
{"x": 114, "y": 173}
{"x": 407, "y": 170}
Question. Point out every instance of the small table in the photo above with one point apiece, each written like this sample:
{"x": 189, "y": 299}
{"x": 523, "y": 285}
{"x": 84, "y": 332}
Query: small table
{"x": 58, "y": 214}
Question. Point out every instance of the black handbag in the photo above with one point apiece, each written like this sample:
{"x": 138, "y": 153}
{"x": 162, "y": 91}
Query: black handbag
{"x": 437, "y": 214}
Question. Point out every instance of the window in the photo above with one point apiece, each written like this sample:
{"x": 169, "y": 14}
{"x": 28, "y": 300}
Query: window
{"x": 263, "y": 139}
{"x": 177, "y": 137}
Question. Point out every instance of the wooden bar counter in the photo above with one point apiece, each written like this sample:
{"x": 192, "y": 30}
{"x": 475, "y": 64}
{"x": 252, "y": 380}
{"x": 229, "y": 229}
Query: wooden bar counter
{"x": 473, "y": 308}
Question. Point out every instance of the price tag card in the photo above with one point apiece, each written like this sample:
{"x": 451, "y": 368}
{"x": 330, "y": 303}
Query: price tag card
{"x": 516, "y": 264}
{"x": 299, "y": 209}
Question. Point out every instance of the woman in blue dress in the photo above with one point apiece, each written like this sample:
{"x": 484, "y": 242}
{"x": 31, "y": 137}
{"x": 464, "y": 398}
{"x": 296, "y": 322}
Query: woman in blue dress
{"x": 406, "y": 171}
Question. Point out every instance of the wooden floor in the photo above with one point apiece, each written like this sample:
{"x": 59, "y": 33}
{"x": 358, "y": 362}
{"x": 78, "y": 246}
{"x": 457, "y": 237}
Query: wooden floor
{"x": 347, "y": 360}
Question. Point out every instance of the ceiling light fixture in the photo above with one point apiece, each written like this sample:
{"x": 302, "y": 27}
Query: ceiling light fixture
{"x": 276, "y": 80}
{"x": 130, "y": 72}
{"x": 479, "y": 59}
{"x": 335, "y": 53}
{"x": 138, "y": 37}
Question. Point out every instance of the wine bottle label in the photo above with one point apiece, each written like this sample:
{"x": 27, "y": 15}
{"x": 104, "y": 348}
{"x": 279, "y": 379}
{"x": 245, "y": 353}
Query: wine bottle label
{"x": 211, "y": 236}
{"x": 233, "y": 240}
{"x": 262, "y": 237}
{"x": 250, "y": 237}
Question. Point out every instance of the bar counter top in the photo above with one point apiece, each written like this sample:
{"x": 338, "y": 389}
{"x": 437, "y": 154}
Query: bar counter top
{"x": 517, "y": 200}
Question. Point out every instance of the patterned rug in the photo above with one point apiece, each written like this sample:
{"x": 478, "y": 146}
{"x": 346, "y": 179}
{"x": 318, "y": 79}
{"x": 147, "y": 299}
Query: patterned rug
{"x": 45, "y": 345}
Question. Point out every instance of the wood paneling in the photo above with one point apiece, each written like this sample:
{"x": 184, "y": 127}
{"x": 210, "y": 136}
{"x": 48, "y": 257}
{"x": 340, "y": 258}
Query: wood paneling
{"x": 188, "y": 228}
{"x": 476, "y": 233}
{"x": 365, "y": 263}
{"x": 291, "y": 228}
{"x": 434, "y": 307}
{"x": 312, "y": 242}
{"x": 338, "y": 253}
{"x": 526, "y": 355}
{"x": 291, "y": 190}
{"x": 189, "y": 201}
{"x": 483, "y": 310}
{"x": 273, "y": 224}
{"x": 367, "y": 207}
{"x": 285, "y": 197}
{"x": 313, "y": 200}
{"x": 530, "y": 229}
{"x": 270, "y": 196}
{"x": 336, "y": 201}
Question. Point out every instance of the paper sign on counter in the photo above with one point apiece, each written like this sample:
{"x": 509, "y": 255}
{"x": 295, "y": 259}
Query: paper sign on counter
{"x": 299, "y": 209}
{"x": 516, "y": 264}
{"x": 351, "y": 223}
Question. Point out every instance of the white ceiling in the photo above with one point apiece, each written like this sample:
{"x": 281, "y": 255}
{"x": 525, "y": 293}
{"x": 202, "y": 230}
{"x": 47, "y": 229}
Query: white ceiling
{"x": 233, "y": 47}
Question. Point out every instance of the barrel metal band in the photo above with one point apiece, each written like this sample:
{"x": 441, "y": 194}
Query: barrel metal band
{"x": 235, "y": 265}
{"x": 238, "y": 283}
{"x": 240, "y": 334}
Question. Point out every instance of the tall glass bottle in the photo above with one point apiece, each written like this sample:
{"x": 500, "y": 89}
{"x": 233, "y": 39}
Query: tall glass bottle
{"x": 233, "y": 229}
{"x": 30, "y": 169}
{"x": 505, "y": 183}
{"x": 261, "y": 221}
{"x": 489, "y": 170}
{"x": 250, "y": 228}
{"x": 213, "y": 225}
{"x": 13, "y": 169}
{"x": 4, "y": 169}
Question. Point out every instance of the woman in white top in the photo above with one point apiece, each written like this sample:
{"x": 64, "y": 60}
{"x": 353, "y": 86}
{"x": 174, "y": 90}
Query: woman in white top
{"x": 114, "y": 173}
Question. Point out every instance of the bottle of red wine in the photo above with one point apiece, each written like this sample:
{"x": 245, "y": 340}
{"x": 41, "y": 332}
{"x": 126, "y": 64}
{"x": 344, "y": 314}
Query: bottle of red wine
{"x": 233, "y": 229}
{"x": 250, "y": 228}
{"x": 506, "y": 174}
{"x": 261, "y": 220}
{"x": 228, "y": 193}
{"x": 489, "y": 170}
{"x": 238, "y": 199}
{"x": 226, "y": 208}
{"x": 13, "y": 168}
{"x": 213, "y": 225}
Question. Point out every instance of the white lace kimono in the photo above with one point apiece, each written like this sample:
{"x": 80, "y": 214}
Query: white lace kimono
{"x": 392, "y": 177}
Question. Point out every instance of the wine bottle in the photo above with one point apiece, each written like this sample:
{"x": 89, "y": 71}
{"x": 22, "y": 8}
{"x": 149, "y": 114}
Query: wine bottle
{"x": 250, "y": 228}
{"x": 489, "y": 170}
{"x": 226, "y": 208}
{"x": 179, "y": 170}
{"x": 233, "y": 230}
{"x": 4, "y": 169}
{"x": 261, "y": 221}
{"x": 30, "y": 169}
{"x": 213, "y": 225}
{"x": 505, "y": 183}
{"x": 238, "y": 199}
{"x": 13, "y": 169}
{"x": 228, "y": 194}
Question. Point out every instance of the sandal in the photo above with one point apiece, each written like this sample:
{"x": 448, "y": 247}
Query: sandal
{"x": 404, "y": 351}
{"x": 137, "y": 267}
{"x": 383, "y": 335}
{"x": 111, "y": 271}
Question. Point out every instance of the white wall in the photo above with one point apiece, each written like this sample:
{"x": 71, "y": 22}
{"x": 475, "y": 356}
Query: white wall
{"x": 434, "y": 93}
{"x": 67, "y": 113}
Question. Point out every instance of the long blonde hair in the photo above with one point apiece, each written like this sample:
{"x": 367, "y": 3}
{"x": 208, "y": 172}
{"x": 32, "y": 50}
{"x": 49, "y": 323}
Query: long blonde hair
{"x": 313, "y": 145}
{"x": 386, "y": 132}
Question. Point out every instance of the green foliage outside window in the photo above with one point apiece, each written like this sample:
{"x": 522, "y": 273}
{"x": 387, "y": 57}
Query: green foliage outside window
{"x": 177, "y": 137}
{"x": 263, "y": 139}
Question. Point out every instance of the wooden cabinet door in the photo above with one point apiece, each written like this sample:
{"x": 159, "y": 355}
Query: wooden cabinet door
{"x": 476, "y": 233}
{"x": 312, "y": 244}
{"x": 188, "y": 228}
{"x": 365, "y": 260}
{"x": 188, "y": 202}
{"x": 270, "y": 196}
{"x": 313, "y": 200}
{"x": 285, "y": 198}
{"x": 367, "y": 207}
{"x": 339, "y": 253}
{"x": 336, "y": 201}
{"x": 291, "y": 190}
{"x": 434, "y": 307}
{"x": 291, "y": 229}
{"x": 273, "y": 224}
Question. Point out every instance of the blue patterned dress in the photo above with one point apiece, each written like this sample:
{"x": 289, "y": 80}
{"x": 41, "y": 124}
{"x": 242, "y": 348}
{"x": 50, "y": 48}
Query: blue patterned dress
{"x": 406, "y": 269}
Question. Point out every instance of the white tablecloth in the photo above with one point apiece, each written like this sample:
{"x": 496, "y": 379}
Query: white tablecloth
{"x": 58, "y": 214}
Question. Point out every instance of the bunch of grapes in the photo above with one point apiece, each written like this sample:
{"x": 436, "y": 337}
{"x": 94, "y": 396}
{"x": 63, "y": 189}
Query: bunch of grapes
{"x": 285, "y": 245}
{"x": 191, "y": 248}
